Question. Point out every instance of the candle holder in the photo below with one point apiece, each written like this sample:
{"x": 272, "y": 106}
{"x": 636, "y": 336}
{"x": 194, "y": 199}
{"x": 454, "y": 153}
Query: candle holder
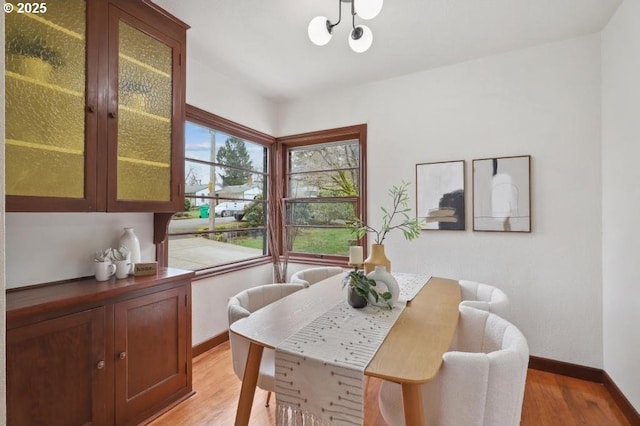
{"x": 356, "y": 266}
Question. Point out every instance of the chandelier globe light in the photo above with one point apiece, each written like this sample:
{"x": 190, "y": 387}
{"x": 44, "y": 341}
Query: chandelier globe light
{"x": 360, "y": 38}
{"x": 368, "y": 9}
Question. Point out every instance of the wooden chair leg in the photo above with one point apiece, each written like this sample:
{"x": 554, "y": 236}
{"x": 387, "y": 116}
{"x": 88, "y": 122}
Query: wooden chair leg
{"x": 268, "y": 398}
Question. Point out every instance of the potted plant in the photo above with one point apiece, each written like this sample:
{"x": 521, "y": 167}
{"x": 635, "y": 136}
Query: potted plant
{"x": 361, "y": 288}
{"x": 396, "y": 217}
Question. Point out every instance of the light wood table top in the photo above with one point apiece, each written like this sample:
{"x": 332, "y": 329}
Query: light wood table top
{"x": 424, "y": 331}
{"x": 411, "y": 354}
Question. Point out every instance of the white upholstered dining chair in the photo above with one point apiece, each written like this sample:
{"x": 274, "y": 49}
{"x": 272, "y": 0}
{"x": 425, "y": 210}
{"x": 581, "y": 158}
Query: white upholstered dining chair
{"x": 484, "y": 296}
{"x": 242, "y": 305}
{"x": 481, "y": 381}
{"x": 313, "y": 275}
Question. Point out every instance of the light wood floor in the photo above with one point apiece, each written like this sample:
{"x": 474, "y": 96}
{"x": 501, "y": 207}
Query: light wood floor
{"x": 550, "y": 399}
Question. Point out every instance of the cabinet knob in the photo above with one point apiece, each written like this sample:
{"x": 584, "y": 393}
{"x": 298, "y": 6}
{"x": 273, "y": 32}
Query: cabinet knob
{"x": 112, "y": 115}
{"x": 122, "y": 355}
{"x": 100, "y": 365}
{"x": 91, "y": 108}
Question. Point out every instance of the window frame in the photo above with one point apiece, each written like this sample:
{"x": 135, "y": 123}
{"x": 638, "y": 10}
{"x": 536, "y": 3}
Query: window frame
{"x": 203, "y": 118}
{"x": 276, "y": 175}
{"x": 283, "y": 145}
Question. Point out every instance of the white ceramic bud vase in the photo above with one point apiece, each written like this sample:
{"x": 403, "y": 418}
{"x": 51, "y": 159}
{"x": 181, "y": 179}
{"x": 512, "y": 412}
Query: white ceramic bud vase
{"x": 381, "y": 276}
{"x": 130, "y": 241}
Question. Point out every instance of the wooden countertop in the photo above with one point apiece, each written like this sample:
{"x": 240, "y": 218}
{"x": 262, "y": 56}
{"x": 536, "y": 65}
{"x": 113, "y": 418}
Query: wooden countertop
{"x": 26, "y": 301}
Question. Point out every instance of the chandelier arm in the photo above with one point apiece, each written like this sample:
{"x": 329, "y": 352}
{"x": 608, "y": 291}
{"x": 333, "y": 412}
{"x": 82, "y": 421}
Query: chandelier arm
{"x": 329, "y": 24}
{"x": 353, "y": 14}
{"x": 356, "y": 33}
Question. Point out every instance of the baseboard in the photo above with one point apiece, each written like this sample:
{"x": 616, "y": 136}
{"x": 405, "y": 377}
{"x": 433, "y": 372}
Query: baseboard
{"x": 591, "y": 374}
{"x": 567, "y": 369}
{"x": 210, "y": 344}
{"x": 621, "y": 401}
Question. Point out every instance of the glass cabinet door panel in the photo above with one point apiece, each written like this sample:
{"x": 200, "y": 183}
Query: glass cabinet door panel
{"x": 45, "y": 62}
{"x": 144, "y": 116}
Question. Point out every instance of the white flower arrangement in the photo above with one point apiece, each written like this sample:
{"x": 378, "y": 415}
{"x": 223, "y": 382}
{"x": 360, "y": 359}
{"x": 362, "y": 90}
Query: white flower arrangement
{"x": 112, "y": 255}
{"x": 121, "y": 253}
{"x": 104, "y": 256}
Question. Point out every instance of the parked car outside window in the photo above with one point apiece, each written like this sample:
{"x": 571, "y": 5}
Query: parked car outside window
{"x": 231, "y": 208}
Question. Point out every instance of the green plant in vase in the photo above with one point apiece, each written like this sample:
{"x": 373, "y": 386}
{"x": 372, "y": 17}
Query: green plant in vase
{"x": 361, "y": 288}
{"x": 395, "y": 217}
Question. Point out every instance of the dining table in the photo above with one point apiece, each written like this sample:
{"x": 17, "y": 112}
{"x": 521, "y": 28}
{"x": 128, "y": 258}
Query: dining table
{"x": 410, "y": 354}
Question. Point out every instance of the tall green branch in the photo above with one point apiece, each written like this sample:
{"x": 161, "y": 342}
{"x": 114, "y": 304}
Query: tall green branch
{"x": 410, "y": 227}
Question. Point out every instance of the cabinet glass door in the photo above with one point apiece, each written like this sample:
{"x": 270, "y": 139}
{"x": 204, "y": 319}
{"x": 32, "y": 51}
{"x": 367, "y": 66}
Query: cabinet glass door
{"x": 45, "y": 69}
{"x": 145, "y": 101}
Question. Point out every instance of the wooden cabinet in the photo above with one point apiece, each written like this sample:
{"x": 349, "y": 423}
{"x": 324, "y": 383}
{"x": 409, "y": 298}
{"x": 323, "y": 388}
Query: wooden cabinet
{"x": 151, "y": 362}
{"x": 95, "y": 100}
{"x": 98, "y": 353}
{"x": 56, "y": 371}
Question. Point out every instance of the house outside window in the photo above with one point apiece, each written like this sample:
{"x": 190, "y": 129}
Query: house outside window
{"x": 226, "y": 180}
{"x": 324, "y": 187}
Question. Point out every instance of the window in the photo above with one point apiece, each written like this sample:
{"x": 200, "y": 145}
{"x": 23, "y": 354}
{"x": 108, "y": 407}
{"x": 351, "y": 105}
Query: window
{"x": 226, "y": 175}
{"x": 324, "y": 187}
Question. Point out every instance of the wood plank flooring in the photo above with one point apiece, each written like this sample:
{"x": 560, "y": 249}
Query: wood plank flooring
{"x": 550, "y": 399}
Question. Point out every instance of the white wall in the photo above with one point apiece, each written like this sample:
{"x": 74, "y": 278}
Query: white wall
{"x": 43, "y": 247}
{"x": 221, "y": 95}
{"x": 210, "y": 297}
{"x": 542, "y": 101}
{"x": 621, "y": 198}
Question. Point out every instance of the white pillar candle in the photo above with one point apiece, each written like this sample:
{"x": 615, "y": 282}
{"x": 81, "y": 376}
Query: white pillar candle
{"x": 355, "y": 255}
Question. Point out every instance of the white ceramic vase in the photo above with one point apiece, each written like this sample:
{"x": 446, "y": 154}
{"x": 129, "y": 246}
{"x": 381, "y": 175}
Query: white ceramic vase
{"x": 381, "y": 276}
{"x": 130, "y": 241}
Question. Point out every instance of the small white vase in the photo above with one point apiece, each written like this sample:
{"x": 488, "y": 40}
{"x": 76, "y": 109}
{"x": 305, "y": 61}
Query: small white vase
{"x": 130, "y": 241}
{"x": 381, "y": 276}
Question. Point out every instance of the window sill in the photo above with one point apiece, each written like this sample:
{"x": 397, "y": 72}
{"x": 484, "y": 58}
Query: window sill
{"x": 319, "y": 260}
{"x": 232, "y": 267}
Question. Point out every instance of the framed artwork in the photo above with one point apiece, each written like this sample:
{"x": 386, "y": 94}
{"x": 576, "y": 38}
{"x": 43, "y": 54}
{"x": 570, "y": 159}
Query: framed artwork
{"x": 440, "y": 195}
{"x": 502, "y": 194}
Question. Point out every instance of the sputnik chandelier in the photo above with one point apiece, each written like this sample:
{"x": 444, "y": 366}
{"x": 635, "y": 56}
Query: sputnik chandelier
{"x": 360, "y": 37}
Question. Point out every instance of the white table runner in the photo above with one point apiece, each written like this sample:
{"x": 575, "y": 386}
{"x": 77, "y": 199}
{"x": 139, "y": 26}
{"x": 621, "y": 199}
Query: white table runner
{"x": 320, "y": 369}
{"x": 410, "y": 284}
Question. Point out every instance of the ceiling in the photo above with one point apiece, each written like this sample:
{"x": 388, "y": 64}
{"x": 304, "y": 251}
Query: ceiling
{"x": 263, "y": 44}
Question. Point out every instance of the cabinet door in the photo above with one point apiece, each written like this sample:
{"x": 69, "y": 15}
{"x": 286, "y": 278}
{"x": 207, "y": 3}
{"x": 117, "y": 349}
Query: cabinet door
{"x": 151, "y": 353}
{"x": 49, "y": 113}
{"x": 56, "y": 372}
{"x": 146, "y": 113}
